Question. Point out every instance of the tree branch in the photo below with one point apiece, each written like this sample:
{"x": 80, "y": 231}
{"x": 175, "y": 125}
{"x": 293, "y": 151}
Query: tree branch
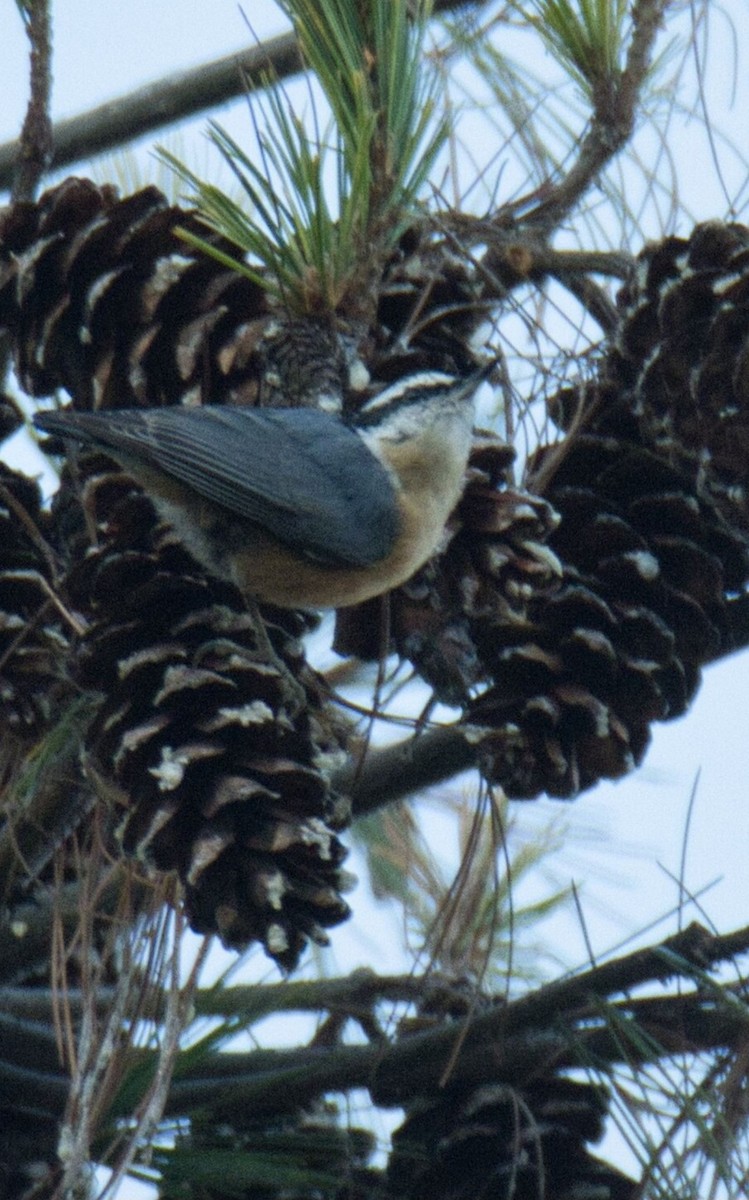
{"x": 34, "y": 147}
{"x": 516, "y": 254}
{"x": 570, "y": 1023}
{"x": 613, "y": 119}
{"x": 175, "y": 98}
{"x": 394, "y": 772}
{"x": 156, "y": 105}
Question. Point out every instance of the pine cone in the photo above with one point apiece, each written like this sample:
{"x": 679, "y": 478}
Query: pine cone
{"x": 506, "y": 1143}
{"x": 212, "y": 734}
{"x": 428, "y": 309}
{"x": 11, "y": 417}
{"x": 28, "y": 1149}
{"x": 653, "y": 538}
{"x": 635, "y": 560}
{"x": 640, "y": 609}
{"x": 682, "y": 353}
{"x": 101, "y": 296}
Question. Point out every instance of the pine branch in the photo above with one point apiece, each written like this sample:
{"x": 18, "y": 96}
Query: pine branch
{"x": 394, "y": 772}
{"x": 503, "y": 1045}
{"x": 175, "y": 98}
{"x": 34, "y": 147}
{"x": 567, "y": 1023}
{"x": 616, "y": 100}
{"x": 585, "y": 1020}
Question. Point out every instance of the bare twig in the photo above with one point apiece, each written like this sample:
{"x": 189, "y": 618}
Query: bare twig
{"x": 178, "y": 1001}
{"x": 33, "y": 152}
{"x": 593, "y": 299}
{"x": 517, "y": 254}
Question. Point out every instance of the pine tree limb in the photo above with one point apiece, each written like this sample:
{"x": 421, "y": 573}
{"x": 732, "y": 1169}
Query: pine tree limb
{"x": 175, "y": 98}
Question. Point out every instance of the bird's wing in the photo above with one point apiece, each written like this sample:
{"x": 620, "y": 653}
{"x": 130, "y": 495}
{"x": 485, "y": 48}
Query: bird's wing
{"x": 300, "y": 474}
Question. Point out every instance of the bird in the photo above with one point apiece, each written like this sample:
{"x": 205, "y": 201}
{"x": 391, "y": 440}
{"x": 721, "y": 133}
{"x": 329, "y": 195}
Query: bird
{"x": 296, "y": 506}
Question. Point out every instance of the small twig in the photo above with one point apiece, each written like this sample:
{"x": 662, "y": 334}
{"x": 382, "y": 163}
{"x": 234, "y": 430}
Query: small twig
{"x": 33, "y": 153}
{"x": 351, "y": 993}
{"x": 583, "y": 924}
{"x": 29, "y": 525}
{"x": 518, "y": 251}
{"x": 35, "y": 1003}
{"x": 613, "y": 119}
{"x": 177, "y": 1009}
{"x": 677, "y": 955}
{"x": 517, "y": 255}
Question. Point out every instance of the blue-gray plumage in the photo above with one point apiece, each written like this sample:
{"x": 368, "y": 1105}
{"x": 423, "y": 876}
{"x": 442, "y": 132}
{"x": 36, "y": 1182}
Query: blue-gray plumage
{"x": 295, "y": 472}
{"x": 291, "y": 504}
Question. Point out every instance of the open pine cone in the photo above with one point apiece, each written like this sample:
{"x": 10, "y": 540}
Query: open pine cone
{"x": 506, "y": 1143}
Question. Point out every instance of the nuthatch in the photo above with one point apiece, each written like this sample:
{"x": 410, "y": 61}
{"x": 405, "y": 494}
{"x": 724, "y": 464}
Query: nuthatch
{"x": 292, "y": 505}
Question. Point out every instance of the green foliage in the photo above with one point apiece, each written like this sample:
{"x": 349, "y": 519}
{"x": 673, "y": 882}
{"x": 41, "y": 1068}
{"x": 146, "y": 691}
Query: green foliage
{"x": 229, "y": 1172}
{"x": 369, "y": 59}
{"x": 308, "y": 247}
{"x": 586, "y": 36}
